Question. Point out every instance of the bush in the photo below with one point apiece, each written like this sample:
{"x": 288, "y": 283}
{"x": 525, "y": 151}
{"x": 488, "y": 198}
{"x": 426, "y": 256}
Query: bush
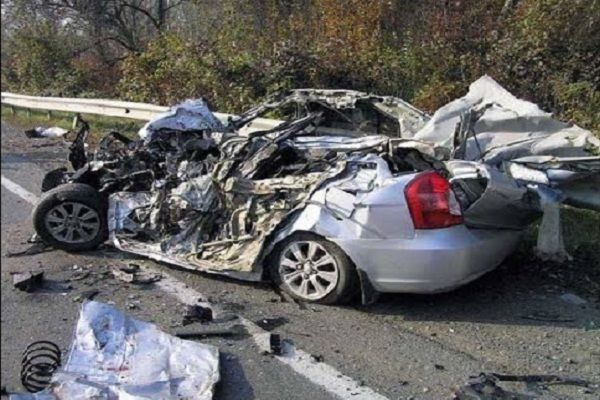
{"x": 551, "y": 55}
{"x": 428, "y": 52}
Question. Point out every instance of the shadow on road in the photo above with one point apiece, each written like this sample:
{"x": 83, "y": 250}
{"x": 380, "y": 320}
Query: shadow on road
{"x": 519, "y": 292}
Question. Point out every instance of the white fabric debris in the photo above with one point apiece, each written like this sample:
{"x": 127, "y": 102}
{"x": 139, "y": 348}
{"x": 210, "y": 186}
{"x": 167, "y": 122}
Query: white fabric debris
{"x": 114, "y": 356}
{"x": 191, "y": 115}
{"x": 43, "y": 132}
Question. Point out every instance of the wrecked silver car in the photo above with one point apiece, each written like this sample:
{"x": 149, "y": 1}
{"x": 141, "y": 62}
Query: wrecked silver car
{"x": 347, "y": 193}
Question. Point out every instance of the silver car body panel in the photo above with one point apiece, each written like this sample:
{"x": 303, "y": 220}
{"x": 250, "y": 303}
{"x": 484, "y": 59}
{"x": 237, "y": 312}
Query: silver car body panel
{"x": 375, "y": 230}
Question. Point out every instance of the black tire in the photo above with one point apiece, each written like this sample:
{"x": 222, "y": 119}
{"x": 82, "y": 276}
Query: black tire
{"x": 67, "y": 195}
{"x": 54, "y": 178}
{"x": 348, "y": 284}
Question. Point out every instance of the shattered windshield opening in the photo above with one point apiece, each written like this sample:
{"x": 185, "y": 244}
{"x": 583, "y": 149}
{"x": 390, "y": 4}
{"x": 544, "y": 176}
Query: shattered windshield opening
{"x": 345, "y": 113}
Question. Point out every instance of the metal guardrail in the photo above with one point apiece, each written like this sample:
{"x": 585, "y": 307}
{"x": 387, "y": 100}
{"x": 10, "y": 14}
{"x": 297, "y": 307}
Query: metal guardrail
{"x": 111, "y": 108}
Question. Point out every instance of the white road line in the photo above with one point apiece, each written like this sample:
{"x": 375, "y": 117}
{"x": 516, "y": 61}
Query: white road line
{"x": 301, "y": 362}
{"x": 20, "y": 191}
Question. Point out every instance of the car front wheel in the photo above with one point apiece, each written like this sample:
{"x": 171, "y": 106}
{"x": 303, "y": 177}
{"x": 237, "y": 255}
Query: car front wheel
{"x": 312, "y": 269}
{"x": 71, "y": 217}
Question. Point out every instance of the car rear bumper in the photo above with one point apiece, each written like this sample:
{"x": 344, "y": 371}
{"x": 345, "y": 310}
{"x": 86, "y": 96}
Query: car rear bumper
{"x": 433, "y": 261}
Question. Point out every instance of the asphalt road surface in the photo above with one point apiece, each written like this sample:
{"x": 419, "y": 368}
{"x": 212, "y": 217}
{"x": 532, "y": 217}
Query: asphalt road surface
{"x": 405, "y": 346}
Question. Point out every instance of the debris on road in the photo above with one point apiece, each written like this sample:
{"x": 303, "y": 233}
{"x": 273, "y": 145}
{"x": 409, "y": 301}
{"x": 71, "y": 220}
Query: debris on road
{"x": 79, "y": 276}
{"x": 201, "y": 330}
{"x": 269, "y": 343}
{"x": 486, "y": 386}
{"x": 268, "y": 324}
{"x": 547, "y": 379}
{"x": 86, "y": 295}
{"x": 133, "y": 274}
{"x": 196, "y": 313}
{"x": 34, "y": 238}
{"x": 116, "y": 356}
{"x": 547, "y": 317}
{"x": 28, "y": 281}
{"x": 43, "y": 132}
{"x": 39, "y": 361}
{"x": 275, "y": 343}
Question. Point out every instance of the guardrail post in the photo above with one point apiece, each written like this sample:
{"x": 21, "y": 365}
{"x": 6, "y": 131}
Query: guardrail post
{"x": 12, "y": 110}
{"x": 49, "y": 115}
{"x": 28, "y": 112}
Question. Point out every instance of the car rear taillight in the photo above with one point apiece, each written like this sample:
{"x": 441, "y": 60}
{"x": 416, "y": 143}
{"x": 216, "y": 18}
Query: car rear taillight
{"x": 431, "y": 202}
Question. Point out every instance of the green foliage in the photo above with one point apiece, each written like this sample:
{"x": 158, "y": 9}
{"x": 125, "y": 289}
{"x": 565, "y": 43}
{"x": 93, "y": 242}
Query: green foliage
{"x": 42, "y": 60}
{"x": 101, "y": 125}
{"x": 38, "y": 62}
{"x": 551, "y": 55}
{"x": 547, "y": 51}
{"x": 168, "y": 70}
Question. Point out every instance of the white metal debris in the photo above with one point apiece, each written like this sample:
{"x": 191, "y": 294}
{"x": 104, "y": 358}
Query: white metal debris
{"x": 499, "y": 126}
{"x": 191, "y": 115}
{"x": 550, "y": 244}
{"x": 114, "y": 356}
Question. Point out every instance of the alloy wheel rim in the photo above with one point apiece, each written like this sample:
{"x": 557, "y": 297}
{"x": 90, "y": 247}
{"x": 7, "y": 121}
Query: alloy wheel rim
{"x": 72, "y": 222}
{"x": 308, "y": 270}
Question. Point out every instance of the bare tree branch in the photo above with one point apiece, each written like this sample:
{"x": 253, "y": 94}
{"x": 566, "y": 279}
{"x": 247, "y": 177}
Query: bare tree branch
{"x": 154, "y": 21}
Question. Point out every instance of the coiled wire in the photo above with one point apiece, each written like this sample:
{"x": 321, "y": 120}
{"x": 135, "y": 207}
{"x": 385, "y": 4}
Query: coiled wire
{"x": 40, "y": 360}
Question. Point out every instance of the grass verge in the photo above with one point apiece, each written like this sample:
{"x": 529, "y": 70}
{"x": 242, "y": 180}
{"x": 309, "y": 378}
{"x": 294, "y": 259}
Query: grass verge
{"x": 99, "y": 125}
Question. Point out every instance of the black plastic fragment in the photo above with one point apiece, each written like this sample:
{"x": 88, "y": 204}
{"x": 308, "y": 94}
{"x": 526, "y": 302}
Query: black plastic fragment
{"x": 196, "y": 313}
{"x": 28, "y": 281}
{"x": 275, "y": 343}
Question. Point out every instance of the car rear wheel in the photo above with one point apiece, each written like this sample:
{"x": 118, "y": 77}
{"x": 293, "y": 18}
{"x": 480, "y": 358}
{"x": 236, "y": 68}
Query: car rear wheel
{"x": 312, "y": 269}
{"x": 71, "y": 217}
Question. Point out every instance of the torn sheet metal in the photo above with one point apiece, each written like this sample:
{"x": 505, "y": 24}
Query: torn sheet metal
{"x": 550, "y": 244}
{"x": 191, "y": 115}
{"x": 512, "y": 144}
{"x": 483, "y": 191}
{"x": 211, "y": 226}
{"x": 345, "y": 112}
{"x": 583, "y": 193}
{"x": 114, "y": 356}
{"x": 491, "y": 125}
{"x": 341, "y": 143}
